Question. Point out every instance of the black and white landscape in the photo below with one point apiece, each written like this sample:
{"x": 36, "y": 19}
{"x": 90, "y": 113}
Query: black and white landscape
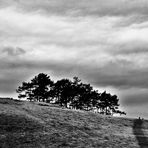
{"x": 103, "y": 42}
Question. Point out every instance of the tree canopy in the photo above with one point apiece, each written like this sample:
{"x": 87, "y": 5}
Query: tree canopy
{"x": 71, "y": 94}
{"x": 36, "y": 90}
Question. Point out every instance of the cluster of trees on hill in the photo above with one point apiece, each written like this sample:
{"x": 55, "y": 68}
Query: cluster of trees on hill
{"x": 69, "y": 94}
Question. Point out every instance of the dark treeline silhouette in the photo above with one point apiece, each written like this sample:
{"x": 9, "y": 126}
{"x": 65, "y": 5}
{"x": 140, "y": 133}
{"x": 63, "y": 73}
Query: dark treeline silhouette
{"x": 69, "y": 94}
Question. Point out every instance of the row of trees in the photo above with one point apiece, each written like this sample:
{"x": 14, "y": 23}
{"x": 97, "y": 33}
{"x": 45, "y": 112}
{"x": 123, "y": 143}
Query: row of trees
{"x": 69, "y": 94}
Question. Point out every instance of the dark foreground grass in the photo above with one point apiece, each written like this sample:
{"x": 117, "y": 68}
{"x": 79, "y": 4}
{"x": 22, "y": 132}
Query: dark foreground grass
{"x": 37, "y": 125}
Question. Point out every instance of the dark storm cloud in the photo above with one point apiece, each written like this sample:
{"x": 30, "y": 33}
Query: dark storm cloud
{"x": 118, "y": 74}
{"x": 127, "y": 51}
{"x": 11, "y": 51}
{"x": 14, "y": 72}
{"x": 98, "y": 7}
{"x": 10, "y": 78}
{"x": 83, "y": 7}
{"x": 138, "y": 99}
{"x": 114, "y": 75}
{"x": 135, "y": 97}
{"x": 9, "y": 84}
{"x": 132, "y": 47}
{"x": 129, "y": 80}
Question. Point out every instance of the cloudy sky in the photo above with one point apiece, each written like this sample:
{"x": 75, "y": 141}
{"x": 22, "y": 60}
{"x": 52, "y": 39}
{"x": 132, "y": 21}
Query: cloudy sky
{"x": 104, "y": 42}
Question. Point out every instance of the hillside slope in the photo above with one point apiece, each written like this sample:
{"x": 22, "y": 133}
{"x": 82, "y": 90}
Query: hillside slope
{"x": 40, "y": 125}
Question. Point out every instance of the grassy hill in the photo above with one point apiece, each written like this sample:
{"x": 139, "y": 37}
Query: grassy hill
{"x": 40, "y": 125}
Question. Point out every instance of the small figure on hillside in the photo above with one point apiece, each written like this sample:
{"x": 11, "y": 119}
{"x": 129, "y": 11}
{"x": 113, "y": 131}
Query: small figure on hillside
{"x": 141, "y": 119}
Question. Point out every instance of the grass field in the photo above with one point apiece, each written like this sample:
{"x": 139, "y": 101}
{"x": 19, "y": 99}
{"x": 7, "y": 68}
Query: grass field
{"x": 40, "y": 125}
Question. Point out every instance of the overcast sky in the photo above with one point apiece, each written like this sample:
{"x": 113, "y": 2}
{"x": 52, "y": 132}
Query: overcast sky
{"x": 103, "y": 42}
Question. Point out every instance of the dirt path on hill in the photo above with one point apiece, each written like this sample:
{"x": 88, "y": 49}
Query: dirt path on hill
{"x": 141, "y": 137}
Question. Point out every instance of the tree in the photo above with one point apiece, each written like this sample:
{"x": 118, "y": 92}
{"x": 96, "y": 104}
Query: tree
{"x": 37, "y": 90}
{"x": 25, "y": 91}
{"x": 108, "y": 104}
{"x": 75, "y": 94}
{"x": 95, "y": 99}
{"x": 63, "y": 92}
{"x": 70, "y": 94}
{"x": 85, "y": 96}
